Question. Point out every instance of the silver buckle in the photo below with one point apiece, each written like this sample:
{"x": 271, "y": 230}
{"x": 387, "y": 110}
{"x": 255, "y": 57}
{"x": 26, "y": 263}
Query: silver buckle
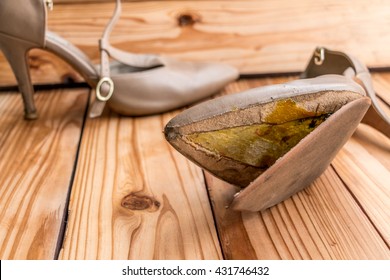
{"x": 49, "y": 4}
{"x": 319, "y": 56}
{"x": 99, "y": 95}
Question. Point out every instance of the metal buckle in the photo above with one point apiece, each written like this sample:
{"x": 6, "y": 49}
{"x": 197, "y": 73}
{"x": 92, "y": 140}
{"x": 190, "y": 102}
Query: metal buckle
{"x": 49, "y": 4}
{"x": 319, "y": 56}
{"x": 99, "y": 95}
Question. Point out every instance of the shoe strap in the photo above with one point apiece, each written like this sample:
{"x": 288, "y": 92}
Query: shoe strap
{"x": 105, "y": 87}
{"x": 325, "y": 61}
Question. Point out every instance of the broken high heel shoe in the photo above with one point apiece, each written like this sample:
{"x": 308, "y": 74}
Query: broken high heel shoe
{"x": 275, "y": 140}
{"x": 133, "y": 85}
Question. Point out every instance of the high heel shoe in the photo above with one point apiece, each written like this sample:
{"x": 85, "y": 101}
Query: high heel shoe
{"x": 276, "y": 140}
{"x": 132, "y": 85}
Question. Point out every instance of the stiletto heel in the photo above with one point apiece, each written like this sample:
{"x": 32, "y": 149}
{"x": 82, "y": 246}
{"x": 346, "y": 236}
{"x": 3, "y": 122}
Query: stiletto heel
{"x": 16, "y": 55}
{"x": 133, "y": 85}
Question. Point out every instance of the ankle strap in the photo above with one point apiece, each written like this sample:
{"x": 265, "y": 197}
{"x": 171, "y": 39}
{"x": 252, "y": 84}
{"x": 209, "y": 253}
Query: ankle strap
{"x": 135, "y": 60}
{"x": 325, "y": 61}
{"x": 105, "y": 87}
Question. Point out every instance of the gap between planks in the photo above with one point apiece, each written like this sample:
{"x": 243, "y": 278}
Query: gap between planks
{"x": 36, "y": 162}
{"x": 135, "y": 198}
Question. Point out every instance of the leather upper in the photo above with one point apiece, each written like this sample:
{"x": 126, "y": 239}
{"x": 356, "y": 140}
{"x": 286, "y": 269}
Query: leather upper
{"x": 25, "y": 20}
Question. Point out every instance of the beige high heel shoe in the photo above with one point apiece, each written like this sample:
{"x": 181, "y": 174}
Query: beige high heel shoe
{"x": 133, "y": 85}
{"x": 276, "y": 140}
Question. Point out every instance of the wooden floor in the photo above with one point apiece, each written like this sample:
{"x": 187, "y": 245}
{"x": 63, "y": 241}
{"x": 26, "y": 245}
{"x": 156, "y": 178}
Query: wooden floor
{"x": 112, "y": 188}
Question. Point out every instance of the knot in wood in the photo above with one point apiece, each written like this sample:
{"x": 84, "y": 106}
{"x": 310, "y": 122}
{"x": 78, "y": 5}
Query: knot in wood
{"x": 140, "y": 202}
{"x": 187, "y": 19}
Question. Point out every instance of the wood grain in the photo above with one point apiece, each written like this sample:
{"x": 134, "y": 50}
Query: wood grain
{"x": 381, "y": 82}
{"x": 367, "y": 179}
{"x": 36, "y": 163}
{"x": 255, "y": 36}
{"x": 321, "y": 222}
{"x": 328, "y": 220}
{"x": 135, "y": 198}
{"x": 377, "y": 142}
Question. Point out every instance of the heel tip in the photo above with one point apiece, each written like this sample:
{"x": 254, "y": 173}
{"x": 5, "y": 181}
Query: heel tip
{"x": 31, "y": 116}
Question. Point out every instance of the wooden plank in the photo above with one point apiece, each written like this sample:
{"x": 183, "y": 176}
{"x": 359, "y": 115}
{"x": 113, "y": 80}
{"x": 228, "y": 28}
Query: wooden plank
{"x": 376, "y": 143}
{"x": 255, "y": 36}
{"x": 381, "y": 82}
{"x": 135, "y": 198}
{"x": 36, "y": 163}
{"x": 368, "y": 180}
{"x": 322, "y": 222}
